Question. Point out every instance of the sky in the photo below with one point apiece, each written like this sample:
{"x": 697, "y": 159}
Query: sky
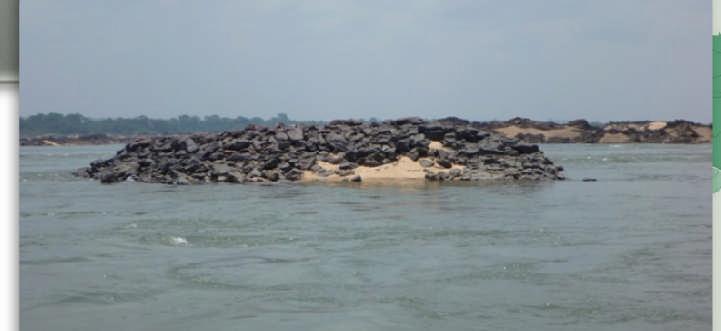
{"x": 329, "y": 59}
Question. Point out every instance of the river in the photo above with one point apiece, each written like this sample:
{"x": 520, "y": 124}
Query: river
{"x": 631, "y": 251}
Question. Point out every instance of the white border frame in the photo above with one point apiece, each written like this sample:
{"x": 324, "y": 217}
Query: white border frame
{"x": 9, "y": 205}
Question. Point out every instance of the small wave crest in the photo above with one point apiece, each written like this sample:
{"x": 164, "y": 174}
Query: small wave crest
{"x": 178, "y": 241}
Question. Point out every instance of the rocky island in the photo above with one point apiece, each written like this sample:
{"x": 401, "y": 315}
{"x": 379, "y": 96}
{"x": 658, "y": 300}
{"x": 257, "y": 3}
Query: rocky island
{"x": 449, "y": 149}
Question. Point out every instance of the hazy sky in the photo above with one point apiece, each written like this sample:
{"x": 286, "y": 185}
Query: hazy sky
{"x": 560, "y": 59}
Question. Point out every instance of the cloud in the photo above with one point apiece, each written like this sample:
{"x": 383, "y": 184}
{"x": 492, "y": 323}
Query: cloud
{"x": 326, "y": 59}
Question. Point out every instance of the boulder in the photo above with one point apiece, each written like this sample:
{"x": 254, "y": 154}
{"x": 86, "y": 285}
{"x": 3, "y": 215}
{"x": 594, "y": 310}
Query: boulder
{"x": 261, "y": 154}
{"x": 293, "y": 175}
{"x": 347, "y": 165}
{"x": 295, "y": 134}
{"x": 281, "y": 136}
{"x": 444, "y": 163}
{"x": 238, "y": 145}
{"x": 434, "y": 130}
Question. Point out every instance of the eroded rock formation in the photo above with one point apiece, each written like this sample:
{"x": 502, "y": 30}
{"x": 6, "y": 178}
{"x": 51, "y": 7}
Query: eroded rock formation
{"x": 581, "y": 131}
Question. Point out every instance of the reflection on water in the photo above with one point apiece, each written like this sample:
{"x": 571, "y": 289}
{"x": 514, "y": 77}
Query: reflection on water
{"x": 629, "y": 252}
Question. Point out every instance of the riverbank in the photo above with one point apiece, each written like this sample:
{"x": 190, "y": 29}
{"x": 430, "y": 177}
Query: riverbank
{"x": 579, "y": 131}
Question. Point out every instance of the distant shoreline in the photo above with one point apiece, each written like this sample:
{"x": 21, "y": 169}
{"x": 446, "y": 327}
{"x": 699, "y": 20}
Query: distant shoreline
{"x": 579, "y": 131}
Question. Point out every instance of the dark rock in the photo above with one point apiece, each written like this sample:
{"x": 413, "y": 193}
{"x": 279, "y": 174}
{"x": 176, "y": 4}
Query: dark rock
{"x": 305, "y": 164}
{"x": 271, "y": 164}
{"x": 213, "y": 156}
{"x": 239, "y": 157}
{"x": 337, "y": 141}
{"x": 421, "y": 151}
{"x": 281, "y": 136}
{"x": 403, "y": 145}
{"x": 293, "y": 175}
{"x": 526, "y": 148}
{"x": 100, "y": 164}
{"x": 238, "y": 145}
{"x": 445, "y": 176}
{"x": 418, "y": 140}
{"x": 163, "y": 146}
{"x": 345, "y": 122}
{"x": 261, "y": 154}
{"x": 285, "y": 166}
{"x": 413, "y": 155}
{"x": 190, "y": 146}
{"x": 434, "y": 130}
{"x": 407, "y": 120}
{"x": 295, "y": 134}
{"x": 444, "y": 163}
{"x": 109, "y": 176}
{"x": 347, "y": 165}
{"x": 220, "y": 169}
{"x": 589, "y": 179}
{"x": 432, "y": 176}
{"x": 490, "y": 147}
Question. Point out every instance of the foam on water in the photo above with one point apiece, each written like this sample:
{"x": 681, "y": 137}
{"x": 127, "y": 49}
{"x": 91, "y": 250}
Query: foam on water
{"x": 178, "y": 241}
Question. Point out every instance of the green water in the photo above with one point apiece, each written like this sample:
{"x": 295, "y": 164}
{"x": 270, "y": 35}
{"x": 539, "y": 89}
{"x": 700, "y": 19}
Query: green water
{"x": 629, "y": 252}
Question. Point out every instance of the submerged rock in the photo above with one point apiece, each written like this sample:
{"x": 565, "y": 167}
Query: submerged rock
{"x": 443, "y": 150}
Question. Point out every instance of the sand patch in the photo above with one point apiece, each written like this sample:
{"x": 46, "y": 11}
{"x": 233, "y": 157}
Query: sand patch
{"x": 328, "y": 166}
{"x": 705, "y": 133}
{"x": 565, "y": 133}
{"x": 403, "y": 169}
{"x": 658, "y": 125}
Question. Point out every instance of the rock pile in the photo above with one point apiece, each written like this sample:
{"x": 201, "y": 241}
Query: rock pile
{"x": 447, "y": 150}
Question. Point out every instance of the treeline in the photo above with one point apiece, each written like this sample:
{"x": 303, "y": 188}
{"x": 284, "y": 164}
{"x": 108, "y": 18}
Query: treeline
{"x": 70, "y": 124}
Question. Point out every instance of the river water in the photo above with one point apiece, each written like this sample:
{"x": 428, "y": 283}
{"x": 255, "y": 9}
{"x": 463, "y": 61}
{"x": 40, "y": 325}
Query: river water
{"x": 629, "y": 252}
